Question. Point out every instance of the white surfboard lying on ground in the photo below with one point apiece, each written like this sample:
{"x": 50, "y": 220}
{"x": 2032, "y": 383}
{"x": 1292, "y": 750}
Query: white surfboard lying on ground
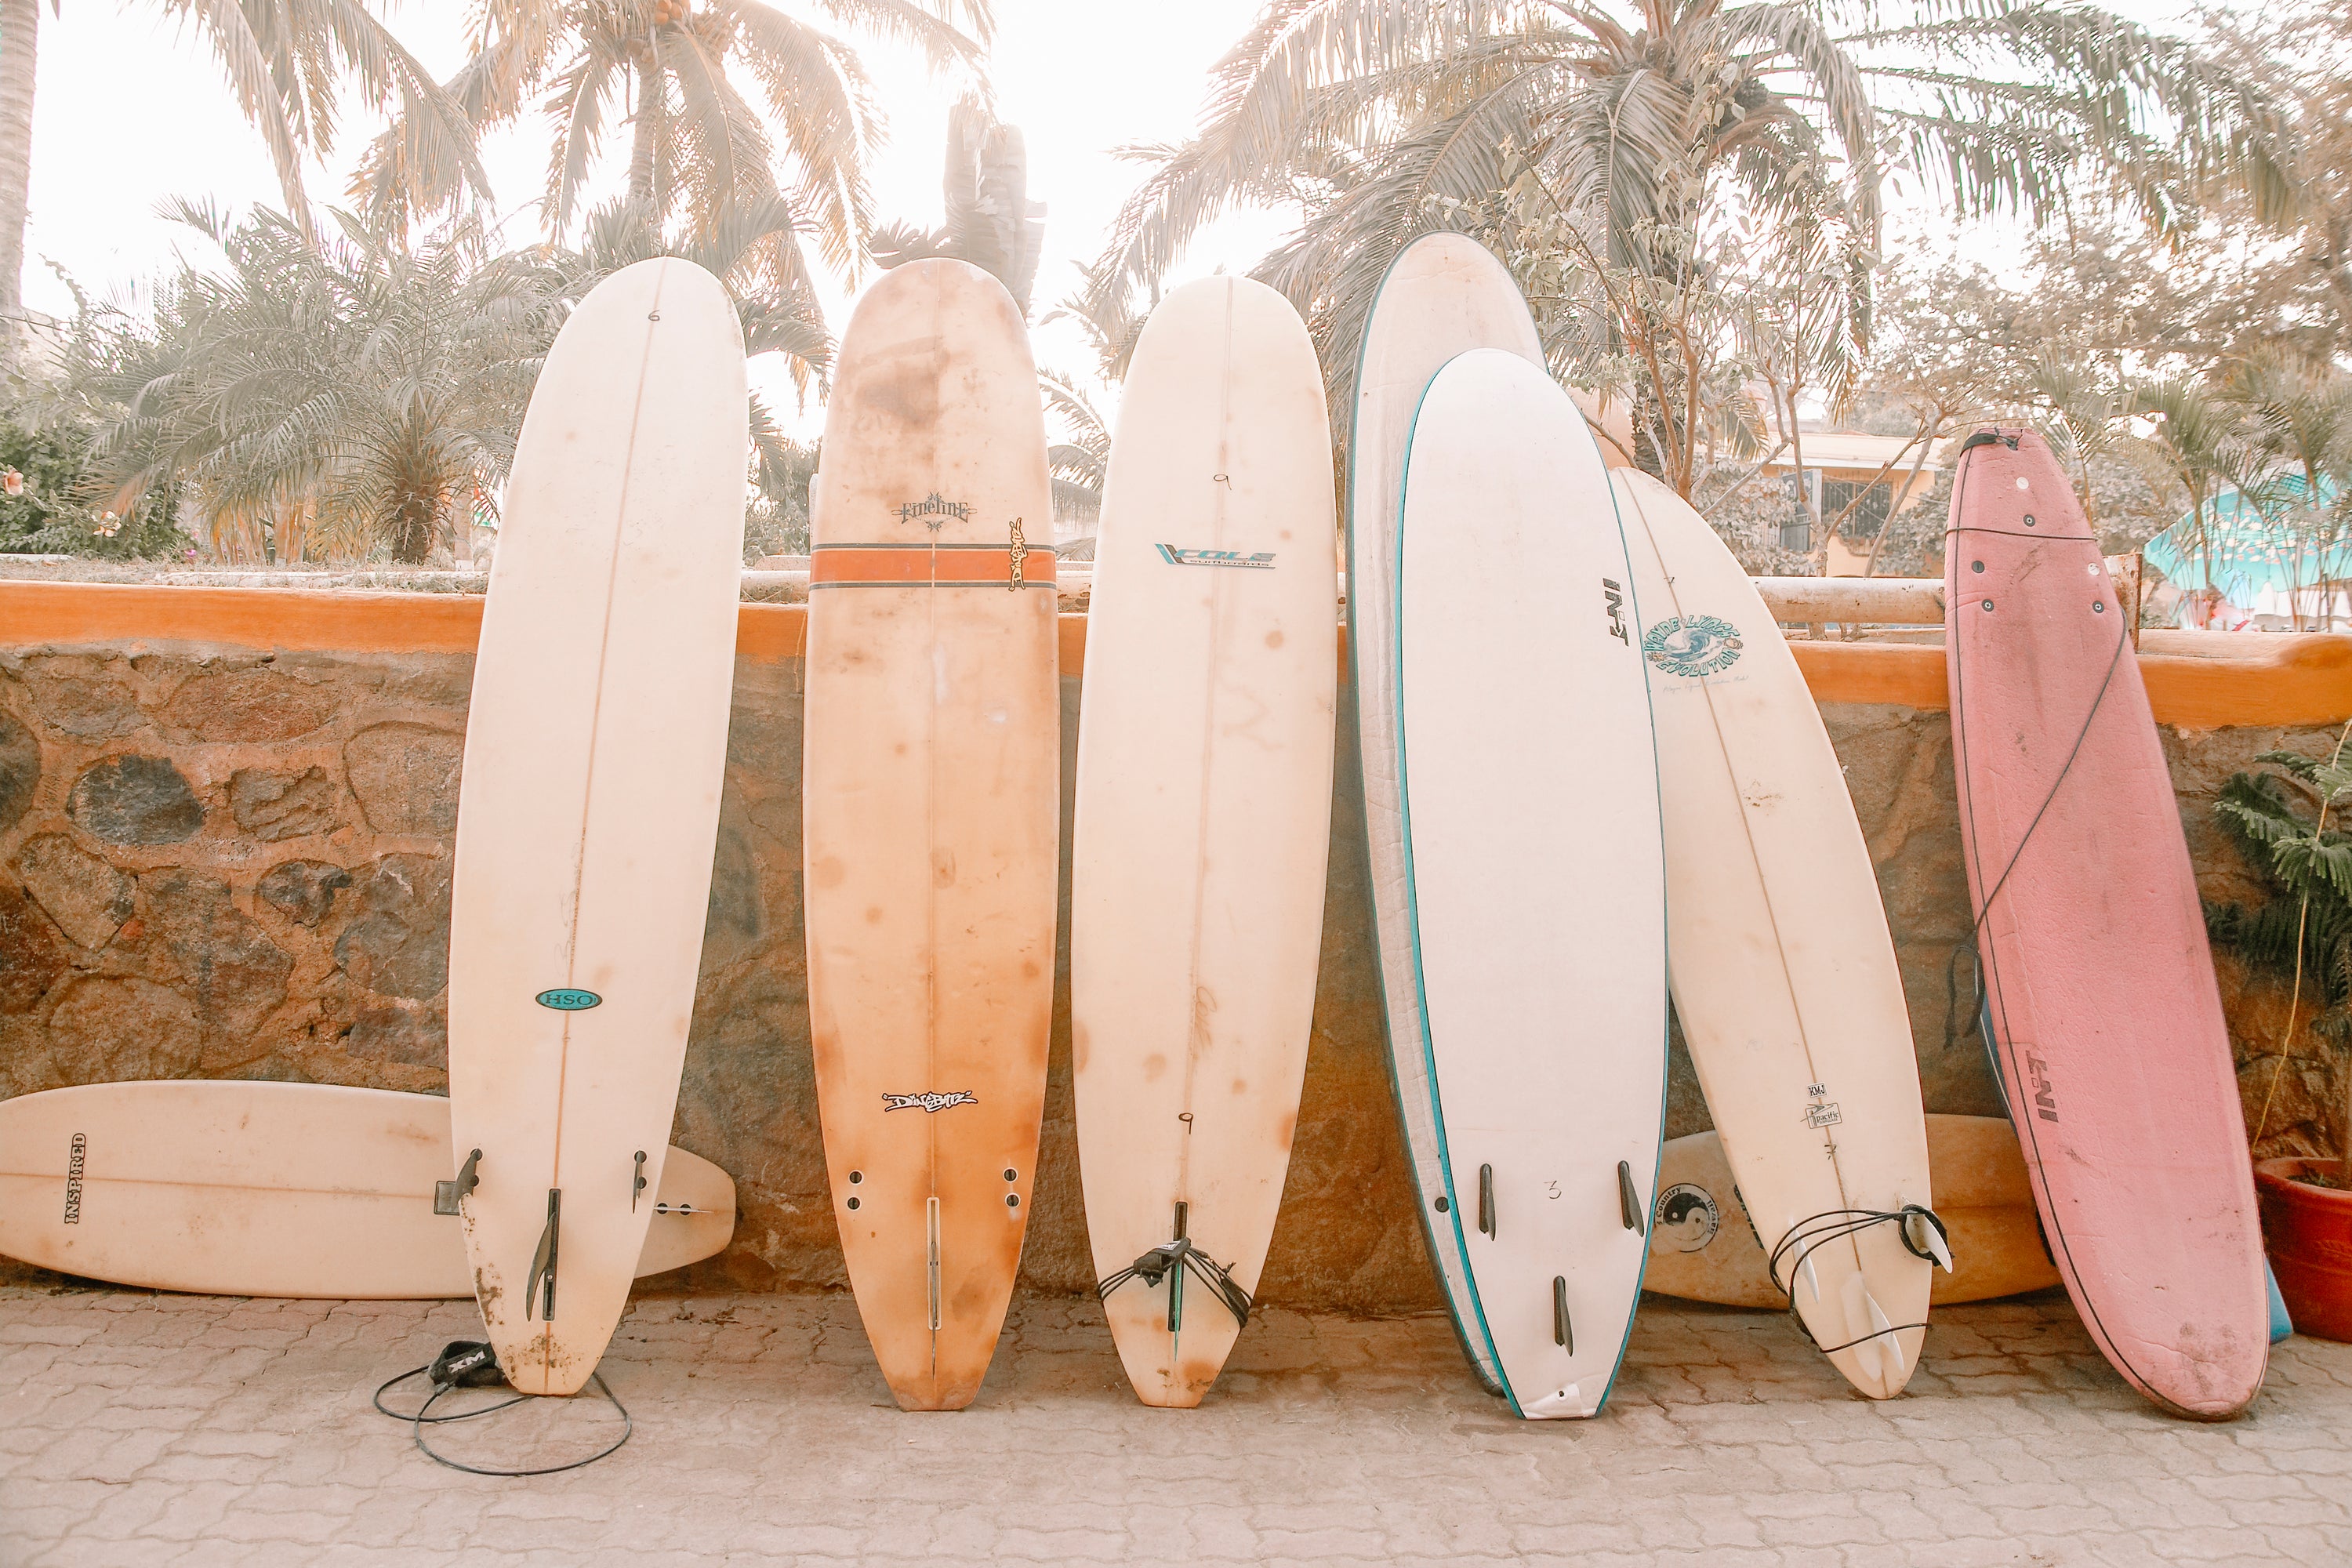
{"x": 272, "y": 1189}
{"x": 1203, "y": 813}
{"x": 1784, "y": 975}
{"x": 594, "y": 750}
{"x": 1443, "y": 294}
{"x": 1534, "y": 875}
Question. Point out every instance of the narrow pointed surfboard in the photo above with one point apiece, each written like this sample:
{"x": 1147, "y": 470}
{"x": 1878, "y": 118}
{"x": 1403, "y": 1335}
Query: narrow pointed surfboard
{"x": 1203, "y": 814}
{"x": 1783, "y": 972}
{"x": 594, "y": 748}
{"x": 1534, "y": 873}
{"x": 932, "y": 814}
{"x": 1703, "y": 1247}
{"x": 272, "y": 1189}
{"x": 2107, "y": 1022}
{"x": 1443, "y": 294}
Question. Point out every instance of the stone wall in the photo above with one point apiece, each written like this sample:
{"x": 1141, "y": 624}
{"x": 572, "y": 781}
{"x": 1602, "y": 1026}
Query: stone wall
{"x": 234, "y": 864}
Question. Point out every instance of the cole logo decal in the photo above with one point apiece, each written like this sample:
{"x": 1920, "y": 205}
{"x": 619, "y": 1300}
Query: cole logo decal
{"x": 1693, "y": 645}
{"x": 1823, "y": 1112}
{"x": 75, "y": 1153}
{"x": 1263, "y": 561}
{"x": 933, "y": 512}
{"x": 933, "y": 1103}
{"x": 1688, "y": 1217}
{"x": 2045, "y": 1099}
{"x": 1613, "y": 597}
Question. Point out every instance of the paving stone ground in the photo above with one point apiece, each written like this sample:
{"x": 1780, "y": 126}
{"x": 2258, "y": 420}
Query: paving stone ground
{"x": 139, "y": 1430}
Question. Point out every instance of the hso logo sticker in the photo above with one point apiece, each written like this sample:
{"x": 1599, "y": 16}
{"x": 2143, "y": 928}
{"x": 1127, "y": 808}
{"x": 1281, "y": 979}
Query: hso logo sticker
{"x": 1688, "y": 1217}
{"x": 566, "y": 999}
{"x": 1693, "y": 645}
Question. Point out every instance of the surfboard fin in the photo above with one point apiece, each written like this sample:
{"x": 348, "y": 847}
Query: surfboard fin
{"x": 543, "y": 1262}
{"x": 1629, "y": 1200}
{"x": 1863, "y": 1318}
{"x": 447, "y": 1195}
{"x": 1889, "y": 1342}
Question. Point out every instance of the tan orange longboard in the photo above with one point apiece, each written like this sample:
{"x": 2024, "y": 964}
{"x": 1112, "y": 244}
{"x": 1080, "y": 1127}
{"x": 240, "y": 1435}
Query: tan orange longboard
{"x": 932, "y": 833}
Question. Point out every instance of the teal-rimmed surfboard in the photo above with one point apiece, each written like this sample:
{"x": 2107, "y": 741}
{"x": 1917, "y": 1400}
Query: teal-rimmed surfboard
{"x": 1443, "y": 294}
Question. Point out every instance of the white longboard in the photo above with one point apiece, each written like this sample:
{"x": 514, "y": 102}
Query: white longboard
{"x": 1784, "y": 973}
{"x": 272, "y": 1189}
{"x": 1534, "y": 874}
{"x": 1443, "y": 294}
{"x": 594, "y": 750}
{"x": 1203, "y": 814}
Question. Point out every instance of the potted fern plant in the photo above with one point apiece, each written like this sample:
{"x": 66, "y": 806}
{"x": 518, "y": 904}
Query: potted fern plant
{"x": 2286, "y": 820}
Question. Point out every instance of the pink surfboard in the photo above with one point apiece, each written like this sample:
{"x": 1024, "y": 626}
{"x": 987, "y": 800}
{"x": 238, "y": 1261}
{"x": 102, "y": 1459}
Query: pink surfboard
{"x": 2099, "y": 985}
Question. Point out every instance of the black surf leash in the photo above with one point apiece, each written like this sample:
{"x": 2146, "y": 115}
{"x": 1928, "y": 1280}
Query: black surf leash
{"x": 1808, "y": 1236}
{"x": 1176, "y": 1256}
{"x": 469, "y": 1363}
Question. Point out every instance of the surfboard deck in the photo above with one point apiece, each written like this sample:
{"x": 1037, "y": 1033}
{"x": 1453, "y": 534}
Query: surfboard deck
{"x": 595, "y": 746}
{"x": 2107, "y": 1022}
{"x": 1703, "y": 1247}
{"x": 1203, "y": 813}
{"x": 1443, "y": 294}
{"x": 1534, "y": 873}
{"x": 226, "y": 1188}
{"x": 931, "y": 812}
{"x": 1783, "y": 972}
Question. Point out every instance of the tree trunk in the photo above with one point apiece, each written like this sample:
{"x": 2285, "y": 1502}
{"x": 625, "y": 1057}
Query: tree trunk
{"x": 20, "y": 25}
{"x": 646, "y": 137}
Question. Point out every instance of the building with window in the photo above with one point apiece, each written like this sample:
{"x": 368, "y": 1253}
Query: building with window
{"x": 1859, "y": 480}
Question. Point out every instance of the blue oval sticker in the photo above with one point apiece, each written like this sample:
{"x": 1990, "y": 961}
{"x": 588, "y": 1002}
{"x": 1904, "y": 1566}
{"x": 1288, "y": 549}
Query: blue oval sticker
{"x": 566, "y": 1001}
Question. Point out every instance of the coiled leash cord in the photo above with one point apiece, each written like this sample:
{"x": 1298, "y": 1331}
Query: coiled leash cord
{"x": 469, "y": 1363}
{"x": 1175, "y": 1256}
{"x": 1808, "y": 1236}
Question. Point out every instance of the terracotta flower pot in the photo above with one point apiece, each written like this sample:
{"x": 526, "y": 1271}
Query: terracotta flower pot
{"x": 2309, "y": 1232}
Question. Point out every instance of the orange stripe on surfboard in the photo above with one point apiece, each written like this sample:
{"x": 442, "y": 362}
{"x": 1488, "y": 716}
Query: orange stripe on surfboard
{"x": 895, "y": 565}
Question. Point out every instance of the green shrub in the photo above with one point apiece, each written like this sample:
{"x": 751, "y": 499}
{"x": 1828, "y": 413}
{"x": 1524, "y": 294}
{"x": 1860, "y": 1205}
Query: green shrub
{"x": 55, "y": 516}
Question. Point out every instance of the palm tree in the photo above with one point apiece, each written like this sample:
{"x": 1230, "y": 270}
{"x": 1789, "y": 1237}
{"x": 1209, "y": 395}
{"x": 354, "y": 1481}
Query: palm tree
{"x": 2202, "y": 438}
{"x": 990, "y": 221}
{"x": 1625, "y": 153}
{"x": 353, "y": 393}
{"x": 286, "y": 61}
{"x": 330, "y": 392}
{"x": 699, "y": 147}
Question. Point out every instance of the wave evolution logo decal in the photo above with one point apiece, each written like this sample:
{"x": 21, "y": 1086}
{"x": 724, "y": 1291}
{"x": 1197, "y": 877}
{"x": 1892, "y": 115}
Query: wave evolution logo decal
{"x": 1263, "y": 561}
{"x": 1693, "y": 645}
{"x": 564, "y": 999}
{"x": 933, "y": 1103}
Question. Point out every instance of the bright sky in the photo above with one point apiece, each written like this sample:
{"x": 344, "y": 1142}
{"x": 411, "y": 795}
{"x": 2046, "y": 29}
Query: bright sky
{"x": 131, "y": 110}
